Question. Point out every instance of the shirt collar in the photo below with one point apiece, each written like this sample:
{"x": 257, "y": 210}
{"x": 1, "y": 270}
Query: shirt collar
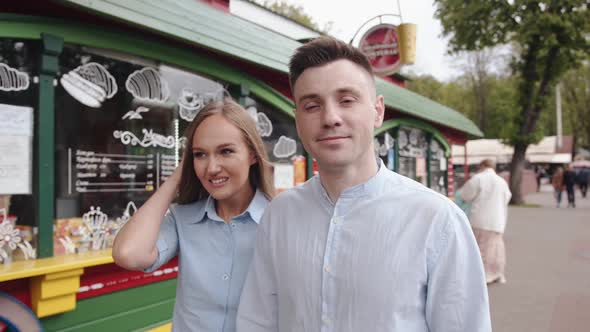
{"x": 369, "y": 187}
{"x": 254, "y": 210}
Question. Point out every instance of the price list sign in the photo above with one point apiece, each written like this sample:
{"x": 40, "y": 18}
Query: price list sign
{"x": 90, "y": 171}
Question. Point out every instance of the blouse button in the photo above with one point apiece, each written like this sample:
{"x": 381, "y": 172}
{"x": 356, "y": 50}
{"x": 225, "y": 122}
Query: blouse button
{"x": 225, "y": 277}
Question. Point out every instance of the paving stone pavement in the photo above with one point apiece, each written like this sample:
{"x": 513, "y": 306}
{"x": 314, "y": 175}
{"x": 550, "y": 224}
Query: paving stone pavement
{"x": 548, "y": 268}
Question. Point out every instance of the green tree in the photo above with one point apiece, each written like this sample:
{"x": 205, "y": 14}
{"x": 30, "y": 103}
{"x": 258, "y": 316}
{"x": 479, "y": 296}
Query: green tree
{"x": 548, "y": 37}
{"x": 575, "y": 91}
{"x": 460, "y": 94}
{"x": 427, "y": 86}
{"x": 295, "y": 13}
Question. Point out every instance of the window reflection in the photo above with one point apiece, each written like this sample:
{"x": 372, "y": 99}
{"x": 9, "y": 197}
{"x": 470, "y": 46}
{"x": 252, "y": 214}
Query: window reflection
{"x": 120, "y": 121}
{"x": 18, "y": 107}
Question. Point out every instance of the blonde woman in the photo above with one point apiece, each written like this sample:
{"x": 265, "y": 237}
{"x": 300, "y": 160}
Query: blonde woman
{"x": 224, "y": 184}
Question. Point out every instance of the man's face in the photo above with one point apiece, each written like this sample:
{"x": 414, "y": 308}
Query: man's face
{"x": 336, "y": 113}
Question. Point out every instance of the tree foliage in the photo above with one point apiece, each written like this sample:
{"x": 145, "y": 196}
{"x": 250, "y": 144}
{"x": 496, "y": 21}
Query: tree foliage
{"x": 459, "y": 94}
{"x": 575, "y": 91}
{"x": 295, "y": 13}
{"x": 548, "y": 37}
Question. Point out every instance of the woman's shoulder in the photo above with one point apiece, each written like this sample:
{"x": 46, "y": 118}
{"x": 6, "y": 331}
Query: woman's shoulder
{"x": 188, "y": 210}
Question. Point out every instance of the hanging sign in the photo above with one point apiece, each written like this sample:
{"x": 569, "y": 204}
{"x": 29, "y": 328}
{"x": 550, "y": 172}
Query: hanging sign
{"x": 381, "y": 46}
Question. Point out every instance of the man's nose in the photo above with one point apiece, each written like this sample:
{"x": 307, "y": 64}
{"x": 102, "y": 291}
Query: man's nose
{"x": 331, "y": 116}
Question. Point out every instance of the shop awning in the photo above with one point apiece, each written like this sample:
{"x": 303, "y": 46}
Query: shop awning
{"x": 199, "y": 24}
{"x": 546, "y": 151}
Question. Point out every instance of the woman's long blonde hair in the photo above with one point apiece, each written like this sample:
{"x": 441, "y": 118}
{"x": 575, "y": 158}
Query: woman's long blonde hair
{"x": 260, "y": 176}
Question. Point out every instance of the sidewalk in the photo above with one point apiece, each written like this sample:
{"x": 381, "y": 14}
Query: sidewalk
{"x": 548, "y": 268}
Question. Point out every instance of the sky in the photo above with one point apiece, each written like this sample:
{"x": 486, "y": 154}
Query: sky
{"x": 348, "y": 16}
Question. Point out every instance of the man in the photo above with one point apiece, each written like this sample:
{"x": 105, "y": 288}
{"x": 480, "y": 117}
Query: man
{"x": 358, "y": 248}
{"x": 489, "y": 196}
{"x": 583, "y": 178}
{"x": 569, "y": 180}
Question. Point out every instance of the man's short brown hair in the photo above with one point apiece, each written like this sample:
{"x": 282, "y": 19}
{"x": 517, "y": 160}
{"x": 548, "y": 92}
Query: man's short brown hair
{"x": 321, "y": 51}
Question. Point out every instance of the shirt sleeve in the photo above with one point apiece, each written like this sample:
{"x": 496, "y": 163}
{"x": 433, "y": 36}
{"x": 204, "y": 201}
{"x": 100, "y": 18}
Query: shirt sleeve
{"x": 469, "y": 190}
{"x": 167, "y": 243}
{"x": 508, "y": 195}
{"x": 258, "y": 309}
{"x": 457, "y": 297}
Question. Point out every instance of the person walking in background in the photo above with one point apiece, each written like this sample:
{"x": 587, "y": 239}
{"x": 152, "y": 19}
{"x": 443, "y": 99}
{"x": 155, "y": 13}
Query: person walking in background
{"x": 489, "y": 196}
{"x": 583, "y": 179}
{"x": 539, "y": 173}
{"x": 224, "y": 184}
{"x": 569, "y": 180}
{"x": 557, "y": 183}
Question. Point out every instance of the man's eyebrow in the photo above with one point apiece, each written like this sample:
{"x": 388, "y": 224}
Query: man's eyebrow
{"x": 348, "y": 90}
{"x": 307, "y": 96}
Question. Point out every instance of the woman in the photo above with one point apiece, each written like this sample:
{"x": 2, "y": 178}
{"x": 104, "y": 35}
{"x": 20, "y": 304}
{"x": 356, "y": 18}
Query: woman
{"x": 557, "y": 183}
{"x": 224, "y": 184}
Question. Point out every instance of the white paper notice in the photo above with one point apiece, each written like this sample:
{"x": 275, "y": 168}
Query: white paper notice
{"x": 16, "y": 141}
{"x": 443, "y": 164}
{"x": 284, "y": 175}
{"x": 16, "y": 120}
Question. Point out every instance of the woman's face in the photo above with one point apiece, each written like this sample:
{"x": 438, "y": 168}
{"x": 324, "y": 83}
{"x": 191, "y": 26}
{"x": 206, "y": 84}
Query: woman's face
{"x": 222, "y": 159}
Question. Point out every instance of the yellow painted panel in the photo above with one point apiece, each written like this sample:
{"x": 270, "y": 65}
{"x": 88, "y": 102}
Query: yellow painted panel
{"x": 52, "y": 288}
{"x": 38, "y": 267}
{"x": 64, "y": 274}
{"x": 162, "y": 328}
{"x": 55, "y": 293}
{"x": 55, "y": 305}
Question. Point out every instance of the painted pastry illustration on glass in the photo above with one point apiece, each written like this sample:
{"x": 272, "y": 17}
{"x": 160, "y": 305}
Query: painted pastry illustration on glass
{"x": 12, "y": 79}
{"x": 189, "y": 104}
{"x": 285, "y": 147}
{"x": 90, "y": 84}
{"x": 148, "y": 86}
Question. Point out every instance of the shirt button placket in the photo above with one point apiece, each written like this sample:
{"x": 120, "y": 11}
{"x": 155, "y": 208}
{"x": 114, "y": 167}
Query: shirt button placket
{"x": 330, "y": 251}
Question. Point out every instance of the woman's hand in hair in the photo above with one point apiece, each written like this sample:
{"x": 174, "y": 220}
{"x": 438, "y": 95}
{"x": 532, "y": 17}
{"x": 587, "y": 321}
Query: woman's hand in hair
{"x": 135, "y": 245}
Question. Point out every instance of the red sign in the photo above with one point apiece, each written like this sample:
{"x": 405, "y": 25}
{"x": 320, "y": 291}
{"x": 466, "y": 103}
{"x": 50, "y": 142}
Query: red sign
{"x": 381, "y": 45}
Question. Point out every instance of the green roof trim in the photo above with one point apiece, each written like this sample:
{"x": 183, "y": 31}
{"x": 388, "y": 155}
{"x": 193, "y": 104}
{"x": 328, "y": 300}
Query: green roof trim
{"x": 197, "y": 23}
{"x": 421, "y": 107}
{"x": 29, "y": 27}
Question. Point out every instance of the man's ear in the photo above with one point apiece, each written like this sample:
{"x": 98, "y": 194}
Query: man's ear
{"x": 379, "y": 110}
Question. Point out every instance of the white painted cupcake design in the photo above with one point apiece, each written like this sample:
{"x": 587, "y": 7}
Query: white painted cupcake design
{"x": 189, "y": 104}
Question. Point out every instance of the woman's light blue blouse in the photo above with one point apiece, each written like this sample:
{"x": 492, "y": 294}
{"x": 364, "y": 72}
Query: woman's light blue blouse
{"x": 214, "y": 258}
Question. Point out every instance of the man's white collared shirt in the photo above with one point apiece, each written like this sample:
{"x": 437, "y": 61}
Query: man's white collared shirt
{"x": 388, "y": 255}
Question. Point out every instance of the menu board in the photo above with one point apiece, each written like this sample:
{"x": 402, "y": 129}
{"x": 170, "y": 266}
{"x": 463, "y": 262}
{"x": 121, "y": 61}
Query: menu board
{"x": 407, "y": 167}
{"x": 438, "y": 175}
{"x": 91, "y": 171}
{"x": 16, "y": 141}
{"x": 165, "y": 165}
